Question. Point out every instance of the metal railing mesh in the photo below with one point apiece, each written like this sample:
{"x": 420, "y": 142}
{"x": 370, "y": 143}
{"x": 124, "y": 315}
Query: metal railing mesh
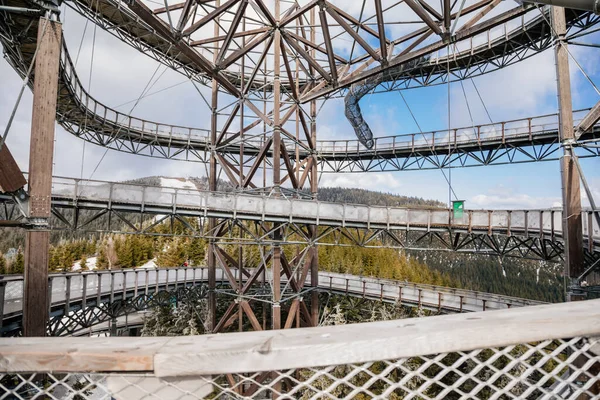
{"x": 552, "y": 369}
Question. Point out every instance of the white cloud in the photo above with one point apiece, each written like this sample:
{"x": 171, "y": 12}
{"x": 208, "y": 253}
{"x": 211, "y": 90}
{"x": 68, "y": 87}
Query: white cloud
{"x": 120, "y": 74}
{"x": 514, "y": 201}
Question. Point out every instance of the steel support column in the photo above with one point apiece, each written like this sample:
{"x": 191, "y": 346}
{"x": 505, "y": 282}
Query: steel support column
{"x": 37, "y": 242}
{"x": 572, "y": 223}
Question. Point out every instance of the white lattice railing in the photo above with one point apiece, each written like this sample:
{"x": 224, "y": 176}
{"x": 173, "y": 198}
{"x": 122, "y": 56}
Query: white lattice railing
{"x": 541, "y": 352}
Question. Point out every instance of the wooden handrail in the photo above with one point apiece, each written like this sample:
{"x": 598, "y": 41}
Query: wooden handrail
{"x": 301, "y": 348}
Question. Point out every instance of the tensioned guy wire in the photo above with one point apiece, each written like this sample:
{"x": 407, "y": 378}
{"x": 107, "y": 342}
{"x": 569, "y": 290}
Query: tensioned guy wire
{"x": 25, "y": 82}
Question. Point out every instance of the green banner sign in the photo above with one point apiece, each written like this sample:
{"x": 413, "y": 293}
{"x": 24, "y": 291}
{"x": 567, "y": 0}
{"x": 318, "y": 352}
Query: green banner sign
{"x": 458, "y": 208}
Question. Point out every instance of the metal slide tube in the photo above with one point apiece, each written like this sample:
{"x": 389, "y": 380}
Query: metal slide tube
{"x": 586, "y": 5}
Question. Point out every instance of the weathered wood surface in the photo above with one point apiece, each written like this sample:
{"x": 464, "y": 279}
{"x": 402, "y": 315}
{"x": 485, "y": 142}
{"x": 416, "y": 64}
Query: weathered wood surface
{"x": 71, "y": 354}
{"x": 305, "y": 347}
{"x": 37, "y": 243}
{"x": 11, "y": 177}
{"x": 571, "y": 188}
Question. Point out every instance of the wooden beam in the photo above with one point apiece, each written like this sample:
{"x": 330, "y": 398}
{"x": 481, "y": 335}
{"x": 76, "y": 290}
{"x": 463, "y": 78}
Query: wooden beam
{"x": 250, "y": 314}
{"x": 287, "y": 270}
{"x": 301, "y": 11}
{"x": 234, "y": 56}
{"x": 362, "y": 42}
{"x": 11, "y": 177}
{"x": 225, "y": 267}
{"x": 447, "y": 15}
{"x": 418, "y": 9}
{"x": 222, "y": 37}
{"x": 301, "y": 348}
{"x": 588, "y": 122}
{"x": 209, "y": 17}
{"x": 172, "y": 7}
{"x": 431, "y": 10}
{"x": 375, "y": 341}
{"x": 304, "y": 54}
{"x": 328, "y": 44}
{"x": 145, "y": 14}
{"x": 225, "y": 318}
{"x": 322, "y": 90}
{"x": 479, "y": 15}
{"x": 353, "y": 20}
{"x": 234, "y": 25}
{"x": 265, "y": 11}
{"x": 571, "y": 192}
{"x": 259, "y": 158}
{"x": 414, "y": 44}
{"x": 228, "y": 166}
{"x": 291, "y": 314}
{"x": 381, "y": 29}
{"x": 316, "y": 47}
{"x": 37, "y": 243}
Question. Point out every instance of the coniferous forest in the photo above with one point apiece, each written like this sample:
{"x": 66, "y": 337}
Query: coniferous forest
{"x": 510, "y": 276}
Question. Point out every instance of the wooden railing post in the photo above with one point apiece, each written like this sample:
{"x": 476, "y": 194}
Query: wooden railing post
{"x": 67, "y": 294}
{"x": 112, "y": 287}
{"x": 99, "y": 289}
{"x": 84, "y": 290}
{"x": 2, "y": 293}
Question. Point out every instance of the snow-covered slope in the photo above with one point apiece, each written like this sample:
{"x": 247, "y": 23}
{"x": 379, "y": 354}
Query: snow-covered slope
{"x": 179, "y": 183}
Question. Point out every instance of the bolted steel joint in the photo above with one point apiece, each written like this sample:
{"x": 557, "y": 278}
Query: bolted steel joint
{"x": 37, "y": 223}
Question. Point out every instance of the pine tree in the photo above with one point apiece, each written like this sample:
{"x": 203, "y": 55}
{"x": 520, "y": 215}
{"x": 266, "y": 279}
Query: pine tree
{"x": 173, "y": 255}
{"x": 101, "y": 258}
{"x": 124, "y": 252}
{"x": 3, "y": 270}
{"x": 67, "y": 257}
{"x": 18, "y": 266}
{"x": 54, "y": 259}
{"x": 197, "y": 251}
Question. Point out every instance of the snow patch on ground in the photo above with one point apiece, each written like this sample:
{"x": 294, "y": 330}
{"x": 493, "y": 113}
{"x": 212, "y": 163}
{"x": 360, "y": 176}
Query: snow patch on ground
{"x": 91, "y": 263}
{"x": 149, "y": 265}
{"x": 179, "y": 183}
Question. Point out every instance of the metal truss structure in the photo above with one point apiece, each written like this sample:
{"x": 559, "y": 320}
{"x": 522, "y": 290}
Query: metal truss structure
{"x": 267, "y": 66}
{"x": 250, "y": 219}
{"x": 94, "y": 302}
{"x": 525, "y": 140}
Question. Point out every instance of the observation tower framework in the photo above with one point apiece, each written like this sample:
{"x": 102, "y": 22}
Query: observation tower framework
{"x": 268, "y": 65}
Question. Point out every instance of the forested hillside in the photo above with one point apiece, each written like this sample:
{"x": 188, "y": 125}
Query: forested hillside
{"x": 515, "y": 277}
{"x": 370, "y": 197}
{"x": 511, "y": 276}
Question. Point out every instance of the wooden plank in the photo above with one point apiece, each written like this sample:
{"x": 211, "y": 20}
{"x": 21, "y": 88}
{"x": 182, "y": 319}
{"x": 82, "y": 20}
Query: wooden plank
{"x": 11, "y": 177}
{"x": 37, "y": 243}
{"x": 295, "y": 348}
{"x": 304, "y": 347}
{"x": 590, "y": 119}
{"x": 79, "y": 354}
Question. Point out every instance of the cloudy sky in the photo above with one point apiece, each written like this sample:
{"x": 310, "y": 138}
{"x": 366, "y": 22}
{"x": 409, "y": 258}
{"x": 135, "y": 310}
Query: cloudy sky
{"x": 120, "y": 73}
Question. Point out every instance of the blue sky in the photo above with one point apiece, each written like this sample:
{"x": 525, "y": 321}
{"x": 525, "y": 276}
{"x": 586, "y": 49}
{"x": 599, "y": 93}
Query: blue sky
{"x": 525, "y": 89}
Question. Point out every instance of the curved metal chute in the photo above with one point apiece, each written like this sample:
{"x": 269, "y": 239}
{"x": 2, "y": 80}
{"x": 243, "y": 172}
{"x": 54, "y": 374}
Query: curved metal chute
{"x": 358, "y": 90}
